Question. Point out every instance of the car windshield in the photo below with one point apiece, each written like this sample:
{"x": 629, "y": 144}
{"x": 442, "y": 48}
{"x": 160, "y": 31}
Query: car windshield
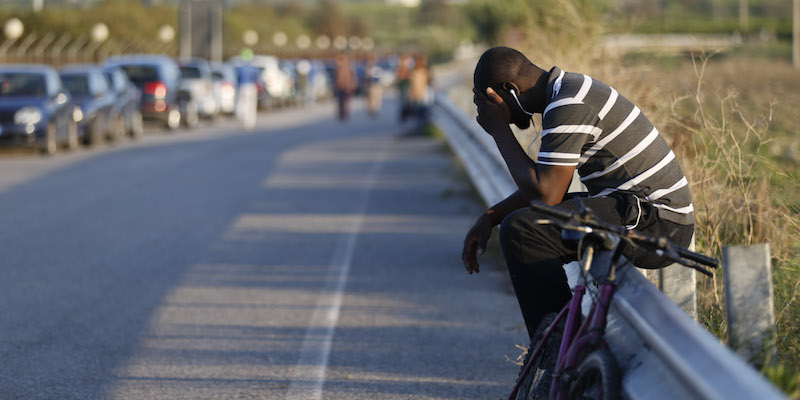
{"x": 76, "y": 85}
{"x": 21, "y": 84}
{"x": 190, "y": 72}
{"x": 141, "y": 74}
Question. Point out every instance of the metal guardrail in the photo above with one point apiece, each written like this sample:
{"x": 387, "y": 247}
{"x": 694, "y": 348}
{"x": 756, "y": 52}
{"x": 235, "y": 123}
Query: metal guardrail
{"x": 663, "y": 352}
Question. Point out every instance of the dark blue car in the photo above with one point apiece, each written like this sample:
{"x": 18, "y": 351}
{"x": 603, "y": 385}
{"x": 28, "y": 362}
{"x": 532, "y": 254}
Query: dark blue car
{"x": 126, "y": 103}
{"x": 92, "y": 94}
{"x": 158, "y": 77}
{"x": 34, "y": 108}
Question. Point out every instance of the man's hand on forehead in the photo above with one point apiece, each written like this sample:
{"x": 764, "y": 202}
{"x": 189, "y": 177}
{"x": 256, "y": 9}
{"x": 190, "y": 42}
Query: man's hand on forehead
{"x": 493, "y": 113}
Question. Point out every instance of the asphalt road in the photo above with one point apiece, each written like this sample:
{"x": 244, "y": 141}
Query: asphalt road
{"x": 308, "y": 259}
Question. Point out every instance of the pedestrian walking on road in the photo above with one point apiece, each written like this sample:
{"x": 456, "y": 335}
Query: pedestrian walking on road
{"x": 344, "y": 85}
{"x": 374, "y": 85}
{"x": 402, "y": 76}
{"x": 247, "y": 95}
{"x": 420, "y": 94}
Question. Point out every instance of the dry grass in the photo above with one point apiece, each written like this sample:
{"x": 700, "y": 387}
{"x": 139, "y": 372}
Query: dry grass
{"x": 731, "y": 121}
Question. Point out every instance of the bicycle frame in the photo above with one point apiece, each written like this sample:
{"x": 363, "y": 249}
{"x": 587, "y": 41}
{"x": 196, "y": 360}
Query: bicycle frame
{"x": 577, "y": 338}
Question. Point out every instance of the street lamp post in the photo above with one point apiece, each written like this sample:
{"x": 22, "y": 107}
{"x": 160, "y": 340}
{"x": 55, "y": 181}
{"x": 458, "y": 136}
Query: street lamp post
{"x": 12, "y": 30}
{"x": 250, "y": 37}
{"x": 303, "y": 41}
{"x": 368, "y": 43}
{"x": 354, "y": 43}
{"x": 340, "y": 43}
{"x": 280, "y": 39}
{"x": 323, "y": 42}
{"x": 99, "y": 34}
{"x": 165, "y": 36}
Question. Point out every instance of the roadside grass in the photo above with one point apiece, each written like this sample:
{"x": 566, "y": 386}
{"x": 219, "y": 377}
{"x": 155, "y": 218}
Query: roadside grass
{"x": 731, "y": 119}
{"x": 730, "y": 122}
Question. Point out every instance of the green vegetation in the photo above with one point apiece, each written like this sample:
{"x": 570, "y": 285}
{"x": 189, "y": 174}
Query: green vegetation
{"x": 435, "y": 28}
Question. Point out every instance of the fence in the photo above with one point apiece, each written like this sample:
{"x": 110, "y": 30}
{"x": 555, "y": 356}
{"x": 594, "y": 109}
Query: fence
{"x": 57, "y": 50}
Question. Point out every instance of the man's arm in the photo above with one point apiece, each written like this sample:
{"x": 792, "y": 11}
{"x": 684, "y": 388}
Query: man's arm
{"x": 535, "y": 181}
{"x": 478, "y": 235}
{"x": 546, "y": 183}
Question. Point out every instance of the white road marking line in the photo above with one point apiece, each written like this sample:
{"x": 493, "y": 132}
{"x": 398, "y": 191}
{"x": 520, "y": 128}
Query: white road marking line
{"x": 310, "y": 370}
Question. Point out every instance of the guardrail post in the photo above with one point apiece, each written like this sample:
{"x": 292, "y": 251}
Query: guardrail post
{"x": 679, "y": 284}
{"x": 750, "y": 305}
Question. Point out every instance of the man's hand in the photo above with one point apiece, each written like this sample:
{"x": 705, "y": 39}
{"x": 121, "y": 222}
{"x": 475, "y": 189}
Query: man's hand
{"x": 493, "y": 113}
{"x": 475, "y": 242}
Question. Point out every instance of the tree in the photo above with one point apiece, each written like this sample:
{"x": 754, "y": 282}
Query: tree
{"x": 329, "y": 19}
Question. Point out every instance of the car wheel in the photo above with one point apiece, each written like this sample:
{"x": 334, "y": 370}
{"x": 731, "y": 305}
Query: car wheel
{"x": 192, "y": 115}
{"x": 173, "y": 120}
{"x": 118, "y": 127}
{"x": 50, "y": 145}
{"x": 95, "y": 132}
{"x": 137, "y": 125}
{"x": 72, "y": 135}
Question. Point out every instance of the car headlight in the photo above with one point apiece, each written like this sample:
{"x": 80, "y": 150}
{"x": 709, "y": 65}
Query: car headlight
{"x": 77, "y": 114}
{"x": 28, "y": 115}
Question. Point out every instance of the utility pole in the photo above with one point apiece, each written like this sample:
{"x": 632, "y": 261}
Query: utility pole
{"x": 744, "y": 15}
{"x": 796, "y": 34}
{"x": 200, "y": 29}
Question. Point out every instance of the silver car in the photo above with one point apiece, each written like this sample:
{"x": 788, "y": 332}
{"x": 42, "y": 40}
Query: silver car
{"x": 196, "y": 79}
{"x": 224, "y": 86}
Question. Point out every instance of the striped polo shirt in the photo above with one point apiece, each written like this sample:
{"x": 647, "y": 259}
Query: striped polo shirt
{"x": 589, "y": 125}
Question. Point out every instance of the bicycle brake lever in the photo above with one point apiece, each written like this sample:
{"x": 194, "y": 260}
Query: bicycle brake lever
{"x": 674, "y": 256}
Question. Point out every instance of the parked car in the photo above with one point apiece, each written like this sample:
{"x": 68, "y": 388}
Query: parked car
{"x": 159, "y": 78}
{"x": 197, "y": 81}
{"x": 224, "y": 78}
{"x": 92, "y": 95}
{"x": 35, "y": 110}
{"x": 126, "y": 102}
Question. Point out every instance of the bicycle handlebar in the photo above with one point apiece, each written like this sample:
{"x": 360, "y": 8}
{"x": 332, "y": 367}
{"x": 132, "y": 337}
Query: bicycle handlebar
{"x": 661, "y": 245}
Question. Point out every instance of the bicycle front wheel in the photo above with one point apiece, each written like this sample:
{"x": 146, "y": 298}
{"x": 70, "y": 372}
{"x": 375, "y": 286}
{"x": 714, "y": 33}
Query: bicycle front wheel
{"x": 536, "y": 384}
{"x": 597, "y": 378}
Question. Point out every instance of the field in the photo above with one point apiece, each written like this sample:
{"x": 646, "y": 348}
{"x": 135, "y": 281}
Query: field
{"x": 746, "y": 188}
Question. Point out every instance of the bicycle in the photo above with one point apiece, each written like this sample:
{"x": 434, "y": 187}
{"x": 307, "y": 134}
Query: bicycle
{"x": 584, "y": 367}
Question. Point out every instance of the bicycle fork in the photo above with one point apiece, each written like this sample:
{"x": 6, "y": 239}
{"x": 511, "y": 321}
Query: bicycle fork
{"x": 579, "y": 341}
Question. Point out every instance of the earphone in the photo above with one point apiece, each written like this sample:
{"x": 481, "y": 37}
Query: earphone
{"x": 514, "y": 94}
{"x": 533, "y": 123}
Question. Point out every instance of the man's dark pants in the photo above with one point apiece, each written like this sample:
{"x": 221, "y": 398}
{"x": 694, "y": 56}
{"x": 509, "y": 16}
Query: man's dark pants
{"x": 535, "y": 253}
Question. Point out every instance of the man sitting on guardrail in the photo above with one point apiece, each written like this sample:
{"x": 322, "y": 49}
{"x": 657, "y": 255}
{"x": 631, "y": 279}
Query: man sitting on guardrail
{"x": 631, "y": 174}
